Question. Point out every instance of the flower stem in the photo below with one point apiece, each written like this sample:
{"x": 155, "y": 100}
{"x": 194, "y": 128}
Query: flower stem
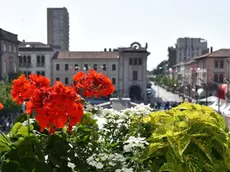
{"x": 28, "y": 120}
{"x": 5, "y": 139}
{"x": 3, "y": 135}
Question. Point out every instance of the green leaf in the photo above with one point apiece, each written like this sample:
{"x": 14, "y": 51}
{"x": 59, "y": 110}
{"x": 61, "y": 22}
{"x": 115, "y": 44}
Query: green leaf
{"x": 153, "y": 147}
{"x": 171, "y": 167}
{"x": 4, "y": 144}
{"x": 14, "y": 129}
{"x": 205, "y": 146}
{"x": 21, "y": 118}
{"x": 43, "y": 167}
{"x": 19, "y": 130}
{"x": 28, "y": 163}
{"x": 179, "y": 144}
{"x": 10, "y": 166}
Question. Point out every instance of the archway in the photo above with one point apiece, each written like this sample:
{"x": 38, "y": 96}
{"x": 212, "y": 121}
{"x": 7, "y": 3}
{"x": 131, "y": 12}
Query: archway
{"x": 135, "y": 92}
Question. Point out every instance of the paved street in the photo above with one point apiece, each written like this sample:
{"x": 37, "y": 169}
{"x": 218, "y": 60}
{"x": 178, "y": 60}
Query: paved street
{"x": 165, "y": 95}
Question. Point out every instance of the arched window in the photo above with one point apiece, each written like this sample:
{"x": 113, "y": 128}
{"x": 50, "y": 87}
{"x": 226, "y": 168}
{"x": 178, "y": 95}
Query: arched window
{"x": 216, "y": 77}
{"x": 221, "y": 78}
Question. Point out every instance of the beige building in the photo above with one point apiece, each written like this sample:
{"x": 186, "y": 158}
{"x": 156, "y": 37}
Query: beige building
{"x": 35, "y": 57}
{"x": 58, "y": 27}
{"x": 126, "y": 67}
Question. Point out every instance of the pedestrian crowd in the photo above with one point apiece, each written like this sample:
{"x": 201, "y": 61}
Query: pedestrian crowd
{"x": 165, "y": 105}
{"x": 7, "y": 121}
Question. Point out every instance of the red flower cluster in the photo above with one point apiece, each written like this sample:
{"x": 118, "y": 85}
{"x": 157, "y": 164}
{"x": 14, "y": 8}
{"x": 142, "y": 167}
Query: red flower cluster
{"x": 55, "y": 106}
{"x": 22, "y": 88}
{"x": 58, "y": 105}
{"x": 93, "y": 84}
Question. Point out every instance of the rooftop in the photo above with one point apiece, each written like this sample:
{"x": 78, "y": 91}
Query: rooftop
{"x": 219, "y": 53}
{"x": 87, "y": 55}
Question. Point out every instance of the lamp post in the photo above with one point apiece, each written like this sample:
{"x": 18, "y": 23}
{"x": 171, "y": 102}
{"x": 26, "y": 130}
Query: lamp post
{"x": 158, "y": 88}
{"x": 218, "y": 96}
{"x": 206, "y": 91}
{"x": 228, "y": 82}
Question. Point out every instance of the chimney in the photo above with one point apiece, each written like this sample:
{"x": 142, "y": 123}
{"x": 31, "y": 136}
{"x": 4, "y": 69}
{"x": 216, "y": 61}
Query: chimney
{"x": 105, "y": 49}
{"x": 23, "y": 40}
{"x": 110, "y": 49}
{"x": 211, "y": 49}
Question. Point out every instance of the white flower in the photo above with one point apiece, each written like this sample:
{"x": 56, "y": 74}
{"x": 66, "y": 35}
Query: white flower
{"x": 118, "y": 170}
{"x": 99, "y": 165}
{"x": 32, "y": 120}
{"x": 134, "y": 142}
{"x": 71, "y": 165}
{"x": 139, "y": 110}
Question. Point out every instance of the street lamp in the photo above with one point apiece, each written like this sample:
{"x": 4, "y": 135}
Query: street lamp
{"x": 218, "y": 96}
{"x": 206, "y": 91}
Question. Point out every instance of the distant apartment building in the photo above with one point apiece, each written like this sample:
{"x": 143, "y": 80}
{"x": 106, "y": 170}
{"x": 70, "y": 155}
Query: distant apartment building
{"x": 58, "y": 27}
{"x": 188, "y": 48}
{"x": 8, "y": 54}
{"x": 35, "y": 57}
{"x": 126, "y": 67}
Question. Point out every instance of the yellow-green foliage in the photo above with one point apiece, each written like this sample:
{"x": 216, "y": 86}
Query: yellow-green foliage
{"x": 188, "y": 138}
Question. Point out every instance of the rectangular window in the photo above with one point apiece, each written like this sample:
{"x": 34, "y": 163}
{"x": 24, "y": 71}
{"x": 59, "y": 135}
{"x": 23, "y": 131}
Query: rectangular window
{"x": 15, "y": 49}
{"x": 135, "y": 61}
{"x": 135, "y": 75}
{"x": 43, "y": 59}
{"x": 57, "y": 79}
{"x": 43, "y": 73}
{"x": 29, "y": 59}
{"x": 130, "y": 61}
{"x": 57, "y": 66}
{"x": 38, "y": 73}
{"x": 216, "y": 64}
{"x": 4, "y": 47}
{"x": 104, "y": 67}
{"x": 20, "y": 59}
{"x": 95, "y": 66}
{"x": 140, "y": 61}
{"x": 24, "y": 59}
{"x": 38, "y": 59}
{"x": 113, "y": 67}
{"x": 76, "y": 67}
{"x": 114, "y": 81}
{"x": 10, "y": 48}
{"x": 86, "y": 67}
{"x": 221, "y": 64}
{"x": 66, "y": 81}
{"x": 66, "y": 66}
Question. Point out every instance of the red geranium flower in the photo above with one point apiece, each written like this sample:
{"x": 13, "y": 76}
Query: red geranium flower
{"x": 93, "y": 84}
{"x": 1, "y": 106}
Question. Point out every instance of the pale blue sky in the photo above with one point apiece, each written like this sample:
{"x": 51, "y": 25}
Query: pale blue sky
{"x": 99, "y": 24}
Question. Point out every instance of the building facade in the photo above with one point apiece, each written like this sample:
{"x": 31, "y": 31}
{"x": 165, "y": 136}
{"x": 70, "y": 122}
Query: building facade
{"x": 58, "y": 27}
{"x": 212, "y": 67}
{"x": 8, "y": 54}
{"x": 126, "y": 67}
{"x": 36, "y": 57}
{"x": 188, "y": 48}
{"x": 171, "y": 57}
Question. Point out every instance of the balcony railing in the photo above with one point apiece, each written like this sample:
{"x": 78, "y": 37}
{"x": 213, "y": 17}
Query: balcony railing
{"x": 40, "y": 64}
{"x": 25, "y": 65}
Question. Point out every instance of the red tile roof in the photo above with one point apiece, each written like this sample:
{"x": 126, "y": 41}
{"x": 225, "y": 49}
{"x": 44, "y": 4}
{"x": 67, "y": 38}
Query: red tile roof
{"x": 218, "y": 53}
{"x": 87, "y": 55}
